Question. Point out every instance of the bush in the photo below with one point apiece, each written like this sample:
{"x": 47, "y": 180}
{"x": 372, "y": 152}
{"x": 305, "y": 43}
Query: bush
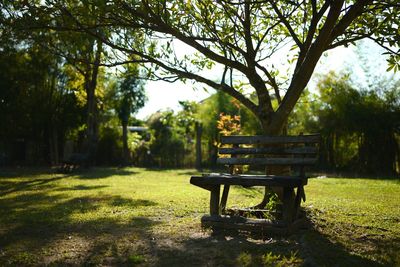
{"x": 109, "y": 149}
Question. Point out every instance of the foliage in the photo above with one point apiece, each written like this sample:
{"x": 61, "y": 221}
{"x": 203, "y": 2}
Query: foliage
{"x": 244, "y": 39}
{"x": 77, "y": 62}
{"x": 186, "y": 118}
{"x": 269, "y": 259}
{"x": 109, "y": 148}
{"x": 359, "y": 127}
{"x": 208, "y": 114}
{"x": 228, "y": 125}
{"x": 81, "y": 53}
{"x": 167, "y": 146}
{"x": 244, "y": 259}
{"x": 130, "y": 96}
{"x": 136, "y": 259}
{"x": 36, "y": 102}
{"x": 172, "y": 143}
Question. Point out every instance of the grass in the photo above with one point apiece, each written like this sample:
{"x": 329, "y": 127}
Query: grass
{"x": 139, "y": 217}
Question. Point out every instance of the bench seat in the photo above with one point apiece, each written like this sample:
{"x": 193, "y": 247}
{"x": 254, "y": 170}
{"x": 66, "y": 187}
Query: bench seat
{"x": 247, "y": 180}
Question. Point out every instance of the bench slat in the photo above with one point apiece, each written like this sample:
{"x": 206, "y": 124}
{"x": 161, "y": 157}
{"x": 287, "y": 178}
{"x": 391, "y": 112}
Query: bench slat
{"x": 267, "y": 161}
{"x": 262, "y": 139}
{"x": 268, "y": 150}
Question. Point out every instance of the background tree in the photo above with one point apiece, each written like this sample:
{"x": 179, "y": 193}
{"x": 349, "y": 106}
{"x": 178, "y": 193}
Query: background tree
{"x": 77, "y": 49}
{"x": 359, "y": 126}
{"x": 85, "y": 54}
{"x": 208, "y": 114}
{"x": 167, "y": 145}
{"x": 130, "y": 98}
{"x": 38, "y": 109}
{"x": 364, "y": 121}
{"x": 190, "y": 129}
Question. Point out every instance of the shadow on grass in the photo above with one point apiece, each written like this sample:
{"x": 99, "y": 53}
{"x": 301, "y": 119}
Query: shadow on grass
{"x": 180, "y": 171}
{"x": 158, "y": 169}
{"x": 101, "y": 173}
{"x": 14, "y": 172}
{"x": 321, "y": 251}
{"x": 82, "y": 187}
{"x": 216, "y": 170}
{"x": 307, "y": 248}
{"x": 32, "y": 178}
{"x": 74, "y": 231}
{"x": 120, "y": 201}
{"x": 190, "y": 173}
{"x": 8, "y": 187}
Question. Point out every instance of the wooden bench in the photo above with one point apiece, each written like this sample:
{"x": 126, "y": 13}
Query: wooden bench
{"x": 74, "y": 162}
{"x": 292, "y": 153}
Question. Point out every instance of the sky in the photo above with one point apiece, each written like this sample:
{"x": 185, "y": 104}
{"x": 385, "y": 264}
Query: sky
{"x": 163, "y": 95}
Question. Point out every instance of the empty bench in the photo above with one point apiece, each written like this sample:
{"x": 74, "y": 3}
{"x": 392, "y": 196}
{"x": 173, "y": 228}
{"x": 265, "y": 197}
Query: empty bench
{"x": 289, "y": 153}
{"x": 74, "y": 161}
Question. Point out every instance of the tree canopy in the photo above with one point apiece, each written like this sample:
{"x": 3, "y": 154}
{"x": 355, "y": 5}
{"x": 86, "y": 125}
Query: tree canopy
{"x": 247, "y": 38}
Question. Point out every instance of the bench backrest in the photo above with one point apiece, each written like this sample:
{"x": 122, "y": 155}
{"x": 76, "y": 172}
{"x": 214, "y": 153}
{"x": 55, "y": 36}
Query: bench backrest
{"x": 298, "y": 150}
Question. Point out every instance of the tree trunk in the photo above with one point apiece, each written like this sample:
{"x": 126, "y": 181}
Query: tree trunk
{"x": 54, "y": 137}
{"x": 92, "y": 126}
{"x": 125, "y": 148}
{"x": 331, "y": 151}
{"x": 92, "y": 111}
{"x": 198, "y": 145}
{"x": 279, "y": 129}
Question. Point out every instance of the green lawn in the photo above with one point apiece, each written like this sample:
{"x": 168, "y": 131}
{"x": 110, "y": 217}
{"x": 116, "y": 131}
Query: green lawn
{"x": 134, "y": 216}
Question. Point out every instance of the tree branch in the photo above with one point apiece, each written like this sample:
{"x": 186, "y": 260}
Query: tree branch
{"x": 345, "y": 42}
{"x": 287, "y": 24}
{"x": 181, "y": 73}
{"x": 272, "y": 82}
{"x": 391, "y": 51}
{"x": 353, "y": 12}
{"x": 306, "y": 69}
{"x": 150, "y": 17}
{"x": 316, "y": 17}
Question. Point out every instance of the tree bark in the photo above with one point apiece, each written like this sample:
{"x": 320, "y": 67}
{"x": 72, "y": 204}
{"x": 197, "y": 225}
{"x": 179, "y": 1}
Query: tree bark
{"x": 92, "y": 111}
{"x": 273, "y": 170}
{"x": 54, "y": 138}
{"x": 198, "y": 145}
{"x": 125, "y": 148}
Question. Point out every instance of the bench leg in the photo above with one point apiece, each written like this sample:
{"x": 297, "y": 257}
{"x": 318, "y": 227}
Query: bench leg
{"x": 299, "y": 196}
{"x": 288, "y": 208}
{"x": 224, "y": 198}
{"x": 214, "y": 200}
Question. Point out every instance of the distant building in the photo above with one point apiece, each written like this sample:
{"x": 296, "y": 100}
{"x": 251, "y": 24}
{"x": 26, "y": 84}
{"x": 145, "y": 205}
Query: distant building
{"x": 137, "y": 129}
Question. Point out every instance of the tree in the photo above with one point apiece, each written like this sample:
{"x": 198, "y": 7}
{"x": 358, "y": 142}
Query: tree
{"x": 36, "y": 102}
{"x": 78, "y": 49}
{"x": 190, "y": 129}
{"x": 85, "y": 53}
{"x": 129, "y": 99}
{"x": 245, "y": 37}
